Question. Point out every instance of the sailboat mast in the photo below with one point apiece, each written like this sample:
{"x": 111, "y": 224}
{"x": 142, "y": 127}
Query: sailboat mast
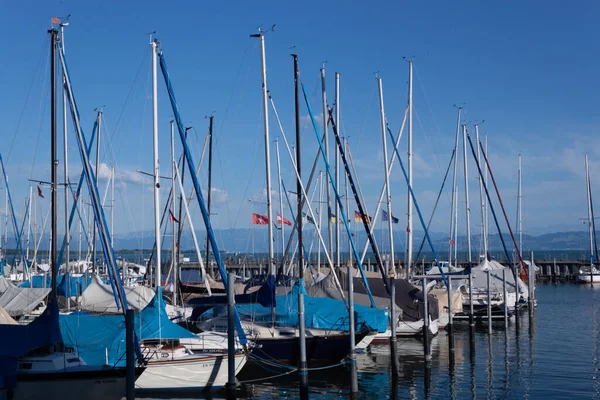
{"x": 452, "y": 239}
{"x": 66, "y": 163}
{"x": 112, "y": 207}
{"x": 481, "y": 198}
{"x": 208, "y": 194}
{"x": 320, "y": 210}
{"x": 337, "y": 171}
{"x": 97, "y": 170}
{"x": 267, "y": 151}
{"x": 468, "y": 209}
{"x": 409, "y": 224}
{"x": 280, "y": 197}
{"x": 29, "y": 223}
{"x": 589, "y": 200}
{"x": 327, "y": 180}
{"x": 53, "y": 159}
{"x": 387, "y": 178}
{"x": 153, "y": 45}
{"x": 303, "y": 364}
{"x": 173, "y": 221}
{"x": 519, "y": 210}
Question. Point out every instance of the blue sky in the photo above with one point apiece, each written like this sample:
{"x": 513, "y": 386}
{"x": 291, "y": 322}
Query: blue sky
{"x": 529, "y": 69}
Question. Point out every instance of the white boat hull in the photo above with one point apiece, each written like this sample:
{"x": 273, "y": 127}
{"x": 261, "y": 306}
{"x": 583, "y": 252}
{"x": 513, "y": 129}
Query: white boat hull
{"x": 408, "y": 329}
{"x": 583, "y": 278}
{"x": 365, "y": 342}
{"x": 193, "y": 373}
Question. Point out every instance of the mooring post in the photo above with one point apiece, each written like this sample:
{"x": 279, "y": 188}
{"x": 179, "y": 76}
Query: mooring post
{"x": 504, "y": 297}
{"x": 426, "y": 322}
{"x": 129, "y": 357}
{"x": 230, "y": 336}
{"x": 531, "y": 280}
{"x": 352, "y": 356}
{"x": 471, "y": 315}
{"x": 489, "y": 303}
{"x": 449, "y": 326}
{"x": 393, "y": 321}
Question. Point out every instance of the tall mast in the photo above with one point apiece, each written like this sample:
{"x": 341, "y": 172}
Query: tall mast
{"x": 29, "y": 222}
{"x": 267, "y": 149}
{"x": 280, "y": 197}
{"x": 320, "y": 209}
{"x": 348, "y": 205}
{"x": 112, "y": 207}
{"x": 589, "y": 200}
{"x": 208, "y": 194}
{"x": 481, "y": 198}
{"x": 387, "y": 178}
{"x": 519, "y": 210}
{"x": 337, "y": 172}
{"x": 66, "y": 163}
{"x": 97, "y": 170}
{"x": 172, "y": 210}
{"x": 409, "y": 224}
{"x": 303, "y": 365}
{"x": 53, "y": 159}
{"x": 153, "y": 45}
{"x": 452, "y": 239}
{"x": 468, "y": 209}
{"x": 326, "y": 142}
{"x": 487, "y": 205}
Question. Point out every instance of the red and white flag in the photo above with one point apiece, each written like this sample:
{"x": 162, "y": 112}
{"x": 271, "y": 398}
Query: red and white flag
{"x": 40, "y": 191}
{"x": 281, "y": 219}
{"x": 258, "y": 219}
{"x": 173, "y": 219}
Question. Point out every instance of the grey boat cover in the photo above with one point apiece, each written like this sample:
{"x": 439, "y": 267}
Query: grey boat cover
{"x": 99, "y": 298}
{"x": 18, "y": 301}
{"x": 408, "y": 297}
{"x": 326, "y": 287}
{"x": 5, "y": 318}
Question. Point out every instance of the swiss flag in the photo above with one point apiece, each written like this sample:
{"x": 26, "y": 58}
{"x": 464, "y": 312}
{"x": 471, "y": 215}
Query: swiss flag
{"x": 258, "y": 219}
{"x": 280, "y": 219}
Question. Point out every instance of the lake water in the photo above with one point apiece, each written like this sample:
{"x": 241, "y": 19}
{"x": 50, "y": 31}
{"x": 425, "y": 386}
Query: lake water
{"x": 555, "y": 355}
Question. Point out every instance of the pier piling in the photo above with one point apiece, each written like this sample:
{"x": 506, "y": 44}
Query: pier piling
{"x": 231, "y": 336}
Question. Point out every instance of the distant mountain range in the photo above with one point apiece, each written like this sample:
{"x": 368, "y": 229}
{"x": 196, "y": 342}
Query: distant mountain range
{"x": 255, "y": 240}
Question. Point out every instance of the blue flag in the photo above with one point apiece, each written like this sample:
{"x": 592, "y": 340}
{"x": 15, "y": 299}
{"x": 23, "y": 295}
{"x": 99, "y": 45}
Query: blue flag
{"x": 385, "y": 217}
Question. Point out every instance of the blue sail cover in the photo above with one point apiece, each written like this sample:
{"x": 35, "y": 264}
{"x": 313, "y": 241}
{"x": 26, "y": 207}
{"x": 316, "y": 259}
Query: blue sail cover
{"x": 96, "y": 335}
{"x": 320, "y": 313}
{"x": 18, "y": 340}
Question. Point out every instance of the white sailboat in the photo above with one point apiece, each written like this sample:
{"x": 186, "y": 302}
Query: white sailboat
{"x": 589, "y": 274}
{"x": 171, "y": 365}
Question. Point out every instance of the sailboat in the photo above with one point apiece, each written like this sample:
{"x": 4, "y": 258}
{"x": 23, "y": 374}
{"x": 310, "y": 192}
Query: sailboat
{"x": 590, "y": 274}
{"x": 34, "y": 360}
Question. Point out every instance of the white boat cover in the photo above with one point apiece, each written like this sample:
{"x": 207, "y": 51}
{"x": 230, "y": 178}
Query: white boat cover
{"x": 99, "y": 298}
{"x": 4, "y": 284}
{"x": 495, "y": 268}
{"x": 19, "y": 301}
{"x": 5, "y": 318}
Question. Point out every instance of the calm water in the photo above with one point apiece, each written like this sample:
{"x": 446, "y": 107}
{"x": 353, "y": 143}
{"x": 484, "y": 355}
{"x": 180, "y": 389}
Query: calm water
{"x": 553, "y": 356}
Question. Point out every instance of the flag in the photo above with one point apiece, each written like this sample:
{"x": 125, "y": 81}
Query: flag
{"x": 385, "y": 217}
{"x": 281, "y": 219}
{"x": 407, "y": 228}
{"x": 308, "y": 218}
{"x": 452, "y": 242}
{"x": 360, "y": 218}
{"x": 258, "y": 219}
{"x": 75, "y": 196}
{"x": 173, "y": 219}
{"x": 55, "y": 20}
{"x": 333, "y": 219}
{"x": 40, "y": 191}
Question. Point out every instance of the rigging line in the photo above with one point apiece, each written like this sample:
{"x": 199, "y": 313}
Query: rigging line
{"x": 127, "y": 98}
{"x": 436, "y": 203}
{"x": 431, "y": 142}
{"x": 40, "y": 121}
{"x": 45, "y": 60}
{"x": 362, "y": 126}
{"x": 218, "y": 137}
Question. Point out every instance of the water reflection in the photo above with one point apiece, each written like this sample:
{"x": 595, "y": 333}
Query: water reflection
{"x": 552, "y": 355}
